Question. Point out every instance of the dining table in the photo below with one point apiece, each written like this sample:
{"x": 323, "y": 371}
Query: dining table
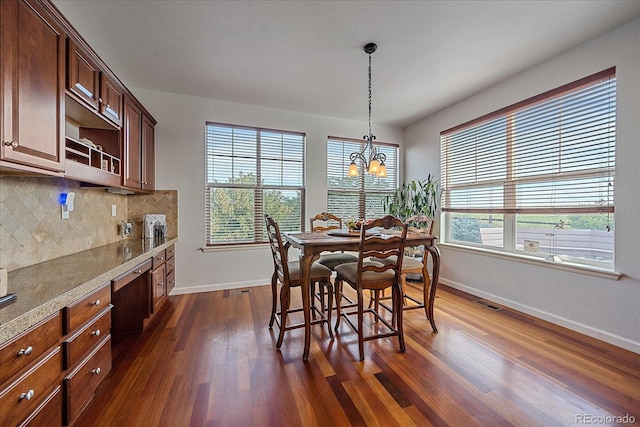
{"x": 312, "y": 244}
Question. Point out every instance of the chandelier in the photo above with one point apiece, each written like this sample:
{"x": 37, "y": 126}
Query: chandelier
{"x": 372, "y": 160}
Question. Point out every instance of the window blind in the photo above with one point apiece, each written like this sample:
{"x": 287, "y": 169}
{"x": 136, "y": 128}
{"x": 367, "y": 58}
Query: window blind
{"x": 250, "y": 172}
{"x": 362, "y": 196}
{"x": 554, "y": 153}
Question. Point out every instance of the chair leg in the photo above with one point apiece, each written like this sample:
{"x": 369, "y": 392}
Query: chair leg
{"x": 404, "y": 288}
{"x": 338, "y": 292}
{"x": 322, "y": 306}
{"x": 397, "y": 297}
{"x": 313, "y": 299}
{"x": 426, "y": 282}
{"x": 329, "y": 305}
{"x": 274, "y": 298}
{"x": 285, "y": 301}
{"x": 360, "y": 324}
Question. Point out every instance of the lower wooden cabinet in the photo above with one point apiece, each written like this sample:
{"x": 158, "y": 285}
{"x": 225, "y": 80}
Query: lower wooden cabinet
{"x": 81, "y": 383}
{"x": 86, "y": 338}
{"x": 24, "y": 349}
{"x": 158, "y": 287}
{"x": 49, "y": 413}
{"x": 86, "y": 349}
{"x": 23, "y": 397}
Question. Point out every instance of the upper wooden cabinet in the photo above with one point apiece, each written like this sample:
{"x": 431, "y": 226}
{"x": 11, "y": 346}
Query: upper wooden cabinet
{"x": 32, "y": 78}
{"x": 139, "y": 147}
{"x": 132, "y": 139}
{"x": 110, "y": 100}
{"x": 83, "y": 75}
{"x": 92, "y": 86}
{"x": 148, "y": 153}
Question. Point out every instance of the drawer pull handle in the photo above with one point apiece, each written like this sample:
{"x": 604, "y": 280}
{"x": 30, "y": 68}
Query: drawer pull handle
{"x": 27, "y": 396}
{"x": 161, "y": 258}
{"x": 96, "y": 302}
{"x": 12, "y": 144}
{"x": 96, "y": 371}
{"x": 138, "y": 272}
{"x": 96, "y": 333}
{"x": 25, "y": 351}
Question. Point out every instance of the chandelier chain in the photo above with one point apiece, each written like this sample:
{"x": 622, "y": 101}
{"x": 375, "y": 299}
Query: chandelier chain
{"x": 370, "y": 96}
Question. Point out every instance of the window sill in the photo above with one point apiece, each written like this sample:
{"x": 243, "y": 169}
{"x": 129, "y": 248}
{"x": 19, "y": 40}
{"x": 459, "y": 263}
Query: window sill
{"x": 239, "y": 247}
{"x": 564, "y": 266}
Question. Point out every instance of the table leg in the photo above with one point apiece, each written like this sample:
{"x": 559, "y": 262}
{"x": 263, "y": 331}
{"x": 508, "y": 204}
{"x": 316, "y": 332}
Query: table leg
{"x": 435, "y": 273}
{"x": 305, "y": 268}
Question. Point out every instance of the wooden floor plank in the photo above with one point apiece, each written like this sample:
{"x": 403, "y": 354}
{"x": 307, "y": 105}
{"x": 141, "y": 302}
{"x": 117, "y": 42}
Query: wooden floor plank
{"x": 210, "y": 360}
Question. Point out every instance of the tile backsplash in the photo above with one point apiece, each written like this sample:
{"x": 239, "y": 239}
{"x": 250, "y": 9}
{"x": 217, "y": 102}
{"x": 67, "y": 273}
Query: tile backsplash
{"x": 32, "y": 230}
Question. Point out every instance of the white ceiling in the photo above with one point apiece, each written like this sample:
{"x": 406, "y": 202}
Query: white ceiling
{"x": 307, "y": 56}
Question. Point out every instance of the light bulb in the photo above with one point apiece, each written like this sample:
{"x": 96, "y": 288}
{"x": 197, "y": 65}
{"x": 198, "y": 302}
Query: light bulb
{"x": 353, "y": 169}
{"x": 383, "y": 170}
{"x": 374, "y": 167}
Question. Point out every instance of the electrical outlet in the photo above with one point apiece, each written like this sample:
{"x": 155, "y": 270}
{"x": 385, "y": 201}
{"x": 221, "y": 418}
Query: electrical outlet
{"x": 114, "y": 210}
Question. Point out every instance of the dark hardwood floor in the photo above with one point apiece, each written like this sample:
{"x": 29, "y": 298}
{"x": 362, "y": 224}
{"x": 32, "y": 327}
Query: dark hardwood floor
{"x": 211, "y": 360}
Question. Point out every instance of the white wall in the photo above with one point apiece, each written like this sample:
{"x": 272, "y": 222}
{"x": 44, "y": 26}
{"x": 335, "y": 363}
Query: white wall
{"x": 600, "y": 307}
{"x": 180, "y": 165}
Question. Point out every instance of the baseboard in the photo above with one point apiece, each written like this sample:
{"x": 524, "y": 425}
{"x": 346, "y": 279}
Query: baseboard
{"x": 218, "y": 287}
{"x": 607, "y": 337}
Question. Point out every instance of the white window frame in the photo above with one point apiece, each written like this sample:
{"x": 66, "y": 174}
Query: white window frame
{"x": 362, "y": 185}
{"x": 292, "y": 166}
{"x": 508, "y": 202}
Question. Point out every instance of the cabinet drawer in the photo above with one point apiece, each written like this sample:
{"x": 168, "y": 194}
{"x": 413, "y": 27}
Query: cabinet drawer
{"x": 130, "y": 275}
{"x": 81, "y": 384}
{"x": 81, "y": 342}
{"x": 49, "y": 413}
{"x": 27, "y": 347}
{"x": 79, "y": 312}
{"x": 171, "y": 281}
{"x": 159, "y": 289}
{"x": 170, "y": 264}
{"x": 23, "y": 396}
{"x": 159, "y": 259}
{"x": 171, "y": 251}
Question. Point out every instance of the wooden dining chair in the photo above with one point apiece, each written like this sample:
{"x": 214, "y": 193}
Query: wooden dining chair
{"x": 288, "y": 274}
{"x": 324, "y": 222}
{"x": 411, "y": 265}
{"x": 387, "y": 243}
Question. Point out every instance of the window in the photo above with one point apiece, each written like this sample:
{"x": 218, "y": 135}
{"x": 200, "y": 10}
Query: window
{"x": 364, "y": 195}
{"x": 537, "y": 177}
{"x": 250, "y": 172}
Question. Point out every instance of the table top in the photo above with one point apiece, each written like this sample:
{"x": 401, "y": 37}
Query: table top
{"x": 319, "y": 241}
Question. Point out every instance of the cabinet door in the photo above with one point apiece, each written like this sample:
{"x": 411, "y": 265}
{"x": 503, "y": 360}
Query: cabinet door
{"x": 111, "y": 100}
{"x": 83, "y": 76}
{"x": 132, "y": 145}
{"x": 33, "y": 70}
{"x": 158, "y": 286}
{"x": 148, "y": 154}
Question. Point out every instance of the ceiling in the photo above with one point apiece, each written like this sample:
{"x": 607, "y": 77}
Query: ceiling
{"x": 307, "y": 56}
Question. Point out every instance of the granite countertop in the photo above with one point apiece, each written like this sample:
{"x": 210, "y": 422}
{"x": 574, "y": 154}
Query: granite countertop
{"x": 45, "y": 288}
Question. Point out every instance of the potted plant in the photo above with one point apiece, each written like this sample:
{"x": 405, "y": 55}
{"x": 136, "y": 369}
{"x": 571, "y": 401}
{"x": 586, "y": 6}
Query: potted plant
{"x": 415, "y": 198}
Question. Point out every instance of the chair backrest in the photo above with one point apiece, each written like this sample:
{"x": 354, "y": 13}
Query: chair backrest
{"x": 387, "y": 242}
{"x": 278, "y": 249}
{"x": 420, "y": 223}
{"x": 325, "y": 221}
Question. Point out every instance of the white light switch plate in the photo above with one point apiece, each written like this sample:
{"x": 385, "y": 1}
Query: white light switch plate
{"x": 114, "y": 210}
